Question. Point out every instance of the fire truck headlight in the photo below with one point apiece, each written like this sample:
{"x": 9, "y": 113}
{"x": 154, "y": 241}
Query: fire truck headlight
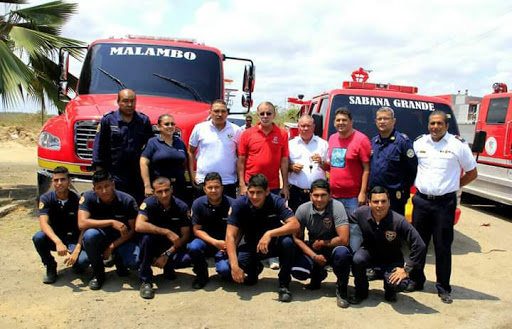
{"x": 48, "y": 141}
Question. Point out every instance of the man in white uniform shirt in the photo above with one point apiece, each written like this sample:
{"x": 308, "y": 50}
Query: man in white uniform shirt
{"x": 307, "y": 156}
{"x": 441, "y": 157}
{"x": 216, "y": 143}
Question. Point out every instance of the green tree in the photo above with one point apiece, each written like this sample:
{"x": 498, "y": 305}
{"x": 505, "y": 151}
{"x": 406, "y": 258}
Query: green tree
{"x": 29, "y": 42}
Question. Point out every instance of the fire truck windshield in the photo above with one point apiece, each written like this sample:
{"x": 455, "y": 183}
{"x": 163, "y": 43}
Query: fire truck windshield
{"x": 411, "y": 115}
{"x": 196, "y": 73}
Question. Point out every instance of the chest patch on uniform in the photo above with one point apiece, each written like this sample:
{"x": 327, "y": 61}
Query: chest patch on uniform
{"x": 41, "y": 205}
{"x": 390, "y": 235}
{"x": 327, "y": 222}
{"x": 82, "y": 200}
{"x": 410, "y": 153}
{"x": 275, "y": 140}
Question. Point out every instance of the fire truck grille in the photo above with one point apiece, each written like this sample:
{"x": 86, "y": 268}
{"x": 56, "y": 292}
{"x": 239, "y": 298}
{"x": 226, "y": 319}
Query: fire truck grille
{"x": 84, "y": 138}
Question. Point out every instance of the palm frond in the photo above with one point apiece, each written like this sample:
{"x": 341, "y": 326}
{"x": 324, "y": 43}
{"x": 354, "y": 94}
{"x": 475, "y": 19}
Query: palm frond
{"x": 13, "y": 73}
{"x": 52, "y": 13}
{"x": 18, "y": 2}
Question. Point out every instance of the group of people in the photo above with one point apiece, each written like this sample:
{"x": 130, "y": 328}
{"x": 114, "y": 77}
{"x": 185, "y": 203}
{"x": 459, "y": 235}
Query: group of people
{"x": 139, "y": 213}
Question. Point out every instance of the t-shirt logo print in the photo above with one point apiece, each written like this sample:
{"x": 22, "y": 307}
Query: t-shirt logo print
{"x": 338, "y": 157}
{"x": 390, "y": 235}
{"x": 275, "y": 141}
{"x": 327, "y": 222}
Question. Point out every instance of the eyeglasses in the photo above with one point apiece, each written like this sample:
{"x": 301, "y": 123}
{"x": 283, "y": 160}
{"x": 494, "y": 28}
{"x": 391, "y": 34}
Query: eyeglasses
{"x": 167, "y": 124}
{"x": 383, "y": 119}
{"x": 262, "y": 114}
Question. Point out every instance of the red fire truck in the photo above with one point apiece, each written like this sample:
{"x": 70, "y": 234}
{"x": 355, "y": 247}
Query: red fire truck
{"x": 176, "y": 76}
{"x": 364, "y": 99}
{"x": 493, "y": 145}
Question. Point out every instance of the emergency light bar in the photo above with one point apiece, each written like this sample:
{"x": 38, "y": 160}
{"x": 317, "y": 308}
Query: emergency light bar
{"x": 150, "y": 37}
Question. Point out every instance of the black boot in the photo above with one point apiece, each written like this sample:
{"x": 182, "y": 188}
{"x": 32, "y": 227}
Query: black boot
{"x": 342, "y": 295}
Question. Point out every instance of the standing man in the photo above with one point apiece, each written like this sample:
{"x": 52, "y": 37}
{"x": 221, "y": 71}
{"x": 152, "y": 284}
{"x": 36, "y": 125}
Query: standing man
{"x": 108, "y": 216}
{"x": 264, "y": 149}
{"x": 328, "y": 233}
{"x": 349, "y": 154}
{"x": 384, "y": 231}
{"x": 59, "y": 228}
{"x": 216, "y": 143}
{"x": 209, "y": 220}
{"x": 307, "y": 156}
{"x": 441, "y": 158}
{"x": 164, "y": 221}
{"x": 248, "y": 122}
{"x": 266, "y": 225}
{"x": 393, "y": 162}
{"x": 118, "y": 144}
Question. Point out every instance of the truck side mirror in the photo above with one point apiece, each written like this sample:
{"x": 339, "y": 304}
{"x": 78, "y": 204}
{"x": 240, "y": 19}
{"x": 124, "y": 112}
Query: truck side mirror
{"x": 249, "y": 78}
{"x": 317, "y": 119}
{"x": 479, "y": 141}
{"x": 64, "y": 68}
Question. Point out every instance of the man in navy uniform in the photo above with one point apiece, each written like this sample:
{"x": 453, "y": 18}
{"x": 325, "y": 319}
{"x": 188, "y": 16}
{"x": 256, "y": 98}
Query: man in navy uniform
{"x": 383, "y": 233}
{"x": 108, "y": 218}
{"x": 441, "y": 158}
{"x": 210, "y": 218}
{"x": 59, "y": 229}
{"x": 328, "y": 232}
{"x": 393, "y": 163}
{"x": 165, "y": 223}
{"x": 118, "y": 144}
{"x": 266, "y": 225}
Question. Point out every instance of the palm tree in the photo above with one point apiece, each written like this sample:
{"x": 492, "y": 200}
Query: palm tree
{"x": 29, "y": 42}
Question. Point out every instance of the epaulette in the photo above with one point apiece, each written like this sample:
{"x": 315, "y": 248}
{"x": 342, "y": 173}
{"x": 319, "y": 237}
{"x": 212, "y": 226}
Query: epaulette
{"x": 460, "y": 138}
{"x": 419, "y": 137}
{"x": 404, "y": 136}
{"x": 111, "y": 112}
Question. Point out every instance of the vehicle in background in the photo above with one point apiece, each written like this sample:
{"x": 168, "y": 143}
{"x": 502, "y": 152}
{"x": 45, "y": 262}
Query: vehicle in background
{"x": 364, "y": 99}
{"x": 176, "y": 76}
{"x": 493, "y": 147}
{"x": 238, "y": 119}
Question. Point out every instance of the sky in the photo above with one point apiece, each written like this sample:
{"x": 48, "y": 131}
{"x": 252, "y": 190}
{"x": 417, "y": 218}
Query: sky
{"x": 307, "y": 47}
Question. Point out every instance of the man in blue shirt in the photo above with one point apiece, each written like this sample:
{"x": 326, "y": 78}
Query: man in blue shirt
{"x": 59, "y": 229}
{"x": 164, "y": 221}
{"x": 210, "y": 218}
{"x": 266, "y": 225}
{"x": 108, "y": 218}
{"x": 393, "y": 163}
{"x": 118, "y": 144}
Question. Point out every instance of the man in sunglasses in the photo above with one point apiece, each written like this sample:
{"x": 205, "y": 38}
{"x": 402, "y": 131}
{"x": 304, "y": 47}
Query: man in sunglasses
{"x": 118, "y": 144}
{"x": 264, "y": 149}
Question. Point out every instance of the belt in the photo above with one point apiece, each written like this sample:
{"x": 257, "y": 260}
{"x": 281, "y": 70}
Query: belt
{"x": 302, "y": 190}
{"x": 436, "y": 197}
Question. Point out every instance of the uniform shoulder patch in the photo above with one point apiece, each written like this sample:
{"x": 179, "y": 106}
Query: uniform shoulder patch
{"x": 143, "y": 206}
{"x": 111, "y": 112}
{"x": 410, "y": 153}
{"x": 41, "y": 205}
{"x": 230, "y": 211}
{"x": 419, "y": 137}
{"x": 82, "y": 200}
{"x": 98, "y": 128}
{"x": 460, "y": 138}
{"x": 191, "y": 213}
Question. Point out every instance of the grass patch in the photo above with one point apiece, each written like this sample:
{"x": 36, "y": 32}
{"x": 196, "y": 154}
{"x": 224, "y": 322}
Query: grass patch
{"x": 28, "y": 120}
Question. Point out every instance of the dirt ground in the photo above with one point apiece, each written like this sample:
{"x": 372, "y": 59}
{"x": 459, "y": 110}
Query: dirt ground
{"x": 482, "y": 288}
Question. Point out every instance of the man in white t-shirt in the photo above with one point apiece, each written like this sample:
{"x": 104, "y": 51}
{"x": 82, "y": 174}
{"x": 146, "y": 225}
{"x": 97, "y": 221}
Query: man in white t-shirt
{"x": 216, "y": 143}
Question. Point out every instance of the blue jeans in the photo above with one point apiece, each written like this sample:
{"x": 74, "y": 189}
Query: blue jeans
{"x": 339, "y": 258}
{"x": 152, "y": 246}
{"x": 350, "y": 204}
{"x": 199, "y": 250}
{"x": 96, "y": 240}
{"x": 44, "y": 245}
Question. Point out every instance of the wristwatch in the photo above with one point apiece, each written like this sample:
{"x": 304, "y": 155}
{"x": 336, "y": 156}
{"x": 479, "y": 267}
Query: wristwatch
{"x": 168, "y": 253}
{"x": 407, "y": 268}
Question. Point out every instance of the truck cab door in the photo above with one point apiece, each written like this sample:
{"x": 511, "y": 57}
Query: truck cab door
{"x": 496, "y": 120}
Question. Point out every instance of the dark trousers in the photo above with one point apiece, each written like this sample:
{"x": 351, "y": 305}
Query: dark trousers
{"x": 361, "y": 261}
{"x": 283, "y": 247}
{"x": 398, "y": 204}
{"x": 339, "y": 258}
{"x": 435, "y": 219}
{"x": 133, "y": 187}
{"x": 44, "y": 245}
{"x": 96, "y": 240}
{"x": 151, "y": 247}
{"x": 229, "y": 190}
{"x": 199, "y": 250}
{"x": 298, "y": 196}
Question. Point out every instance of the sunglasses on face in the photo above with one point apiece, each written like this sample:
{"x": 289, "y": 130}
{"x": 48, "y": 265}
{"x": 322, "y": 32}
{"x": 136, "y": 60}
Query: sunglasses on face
{"x": 167, "y": 124}
{"x": 262, "y": 114}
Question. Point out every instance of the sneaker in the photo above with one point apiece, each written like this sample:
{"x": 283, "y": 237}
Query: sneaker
{"x": 95, "y": 284}
{"x": 273, "y": 263}
{"x": 446, "y": 297}
{"x": 342, "y": 296}
{"x": 199, "y": 282}
{"x": 390, "y": 295}
{"x": 51, "y": 274}
{"x": 284, "y": 295}
{"x": 146, "y": 290}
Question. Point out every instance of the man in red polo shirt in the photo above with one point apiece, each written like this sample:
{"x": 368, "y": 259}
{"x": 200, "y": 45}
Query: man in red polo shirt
{"x": 264, "y": 149}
